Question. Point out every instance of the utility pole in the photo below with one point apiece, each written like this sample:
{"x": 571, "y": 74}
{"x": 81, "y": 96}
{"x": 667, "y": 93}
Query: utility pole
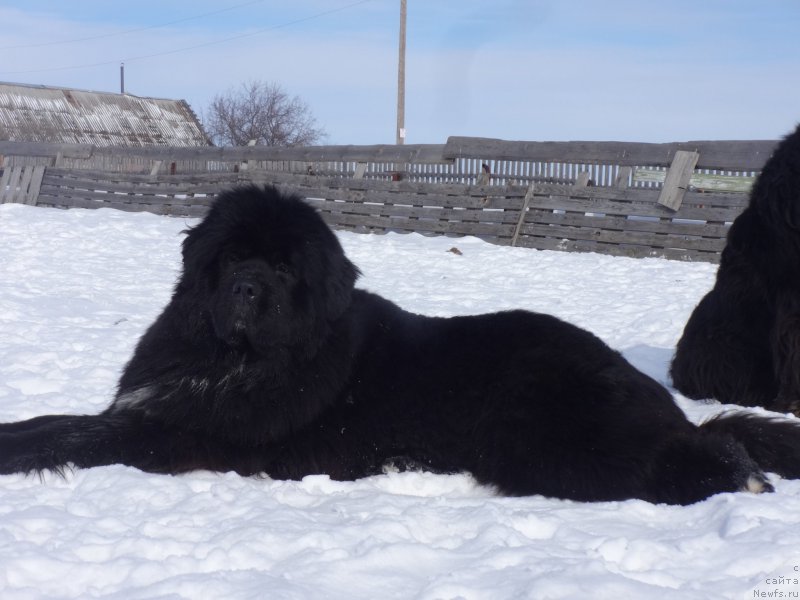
{"x": 401, "y": 78}
{"x": 122, "y": 78}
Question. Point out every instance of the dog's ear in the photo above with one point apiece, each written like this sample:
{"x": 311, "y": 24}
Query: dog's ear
{"x": 776, "y": 193}
{"x": 792, "y": 207}
{"x": 199, "y": 251}
{"x": 321, "y": 297}
{"x": 777, "y": 199}
{"x": 339, "y": 284}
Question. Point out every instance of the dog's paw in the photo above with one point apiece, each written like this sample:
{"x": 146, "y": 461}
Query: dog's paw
{"x": 787, "y": 404}
{"x": 757, "y": 484}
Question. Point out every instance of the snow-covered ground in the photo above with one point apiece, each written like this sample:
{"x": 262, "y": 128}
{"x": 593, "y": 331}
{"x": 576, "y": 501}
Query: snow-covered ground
{"x": 78, "y": 287}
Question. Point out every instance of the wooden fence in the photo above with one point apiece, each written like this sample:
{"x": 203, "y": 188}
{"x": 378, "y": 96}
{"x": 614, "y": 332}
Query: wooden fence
{"x": 667, "y": 200}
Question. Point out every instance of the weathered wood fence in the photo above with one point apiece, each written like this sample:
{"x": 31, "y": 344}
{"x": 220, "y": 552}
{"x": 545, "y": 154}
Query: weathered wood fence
{"x": 667, "y": 200}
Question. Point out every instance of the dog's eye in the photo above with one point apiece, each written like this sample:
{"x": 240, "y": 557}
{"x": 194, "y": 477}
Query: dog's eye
{"x": 283, "y": 269}
{"x": 234, "y": 256}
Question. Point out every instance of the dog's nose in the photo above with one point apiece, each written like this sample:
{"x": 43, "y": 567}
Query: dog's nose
{"x": 246, "y": 290}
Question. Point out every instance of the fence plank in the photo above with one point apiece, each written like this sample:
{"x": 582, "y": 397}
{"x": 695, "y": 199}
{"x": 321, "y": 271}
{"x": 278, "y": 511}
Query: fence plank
{"x": 434, "y": 213}
{"x": 651, "y": 225}
{"x": 749, "y": 155}
{"x": 13, "y": 184}
{"x": 421, "y": 225}
{"x": 629, "y": 209}
{"x": 35, "y": 185}
{"x": 709, "y": 182}
{"x": 4, "y": 191}
{"x": 624, "y": 237}
{"x": 21, "y": 195}
{"x": 623, "y": 177}
{"x": 631, "y": 251}
{"x": 732, "y": 155}
{"x": 407, "y": 153}
{"x": 676, "y": 181}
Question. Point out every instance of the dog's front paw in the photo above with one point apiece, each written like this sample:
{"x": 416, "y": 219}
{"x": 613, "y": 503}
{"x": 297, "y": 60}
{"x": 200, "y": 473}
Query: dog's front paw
{"x": 787, "y": 403}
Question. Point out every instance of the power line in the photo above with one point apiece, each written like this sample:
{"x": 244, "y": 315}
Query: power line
{"x": 193, "y": 47}
{"x": 127, "y": 31}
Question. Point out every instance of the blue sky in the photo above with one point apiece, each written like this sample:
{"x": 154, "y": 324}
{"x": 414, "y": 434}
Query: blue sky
{"x": 528, "y": 70}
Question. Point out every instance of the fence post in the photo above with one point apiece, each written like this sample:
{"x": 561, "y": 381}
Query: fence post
{"x": 523, "y": 212}
{"x": 583, "y": 179}
{"x": 622, "y": 178}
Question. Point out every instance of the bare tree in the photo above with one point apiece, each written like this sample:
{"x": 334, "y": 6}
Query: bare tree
{"x": 264, "y": 112}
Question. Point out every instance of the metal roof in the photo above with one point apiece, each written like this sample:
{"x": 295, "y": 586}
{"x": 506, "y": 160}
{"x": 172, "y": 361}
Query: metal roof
{"x": 48, "y": 114}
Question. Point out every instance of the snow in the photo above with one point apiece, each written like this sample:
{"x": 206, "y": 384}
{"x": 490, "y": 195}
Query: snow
{"x": 78, "y": 287}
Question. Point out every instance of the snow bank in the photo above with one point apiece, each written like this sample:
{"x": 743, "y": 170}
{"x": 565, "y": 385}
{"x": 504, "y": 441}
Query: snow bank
{"x": 78, "y": 287}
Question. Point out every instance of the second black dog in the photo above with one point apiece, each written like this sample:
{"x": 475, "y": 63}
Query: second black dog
{"x": 741, "y": 344}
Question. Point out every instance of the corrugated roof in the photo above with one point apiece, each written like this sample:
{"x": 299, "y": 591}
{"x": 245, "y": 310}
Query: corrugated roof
{"x": 47, "y": 114}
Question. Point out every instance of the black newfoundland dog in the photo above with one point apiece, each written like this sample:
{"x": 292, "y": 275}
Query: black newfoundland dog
{"x": 742, "y": 343}
{"x": 268, "y": 361}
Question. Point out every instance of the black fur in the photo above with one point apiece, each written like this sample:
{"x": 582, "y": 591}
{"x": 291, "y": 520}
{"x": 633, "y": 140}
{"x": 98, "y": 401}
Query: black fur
{"x": 741, "y": 344}
{"x": 267, "y": 360}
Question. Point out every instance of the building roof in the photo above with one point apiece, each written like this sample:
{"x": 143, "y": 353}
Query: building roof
{"x": 36, "y": 113}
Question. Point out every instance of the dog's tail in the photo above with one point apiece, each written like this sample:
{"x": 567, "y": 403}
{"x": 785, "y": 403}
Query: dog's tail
{"x": 773, "y": 443}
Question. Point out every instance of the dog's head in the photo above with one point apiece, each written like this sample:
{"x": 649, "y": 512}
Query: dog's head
{"x": 267, "y": 270}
